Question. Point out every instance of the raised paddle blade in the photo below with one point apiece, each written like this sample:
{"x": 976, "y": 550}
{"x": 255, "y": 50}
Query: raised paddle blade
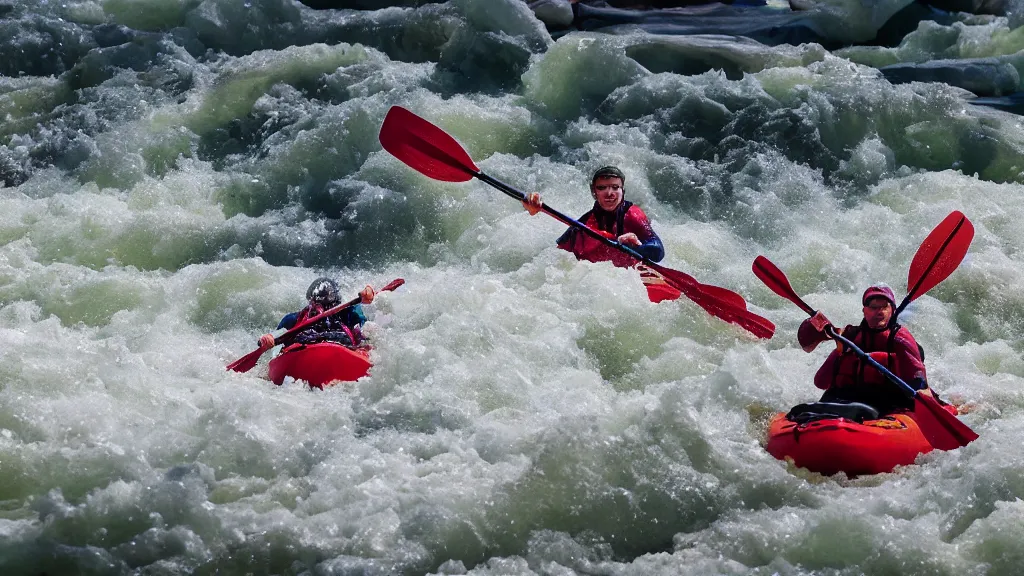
{"x": 939, "y": 255}
{"x": 773, "y": 278}
{"x": 392, "y": 285}
{"x": 425, "y": 147}
{"x": 942, "y": 429}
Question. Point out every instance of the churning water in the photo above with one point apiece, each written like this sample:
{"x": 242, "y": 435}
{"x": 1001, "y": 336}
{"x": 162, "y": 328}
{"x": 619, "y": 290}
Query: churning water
{"x": 177, "y": 171}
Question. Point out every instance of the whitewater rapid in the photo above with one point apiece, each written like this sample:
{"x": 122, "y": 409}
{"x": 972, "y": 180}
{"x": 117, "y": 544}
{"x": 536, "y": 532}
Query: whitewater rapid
{"x": 176, "y": 173}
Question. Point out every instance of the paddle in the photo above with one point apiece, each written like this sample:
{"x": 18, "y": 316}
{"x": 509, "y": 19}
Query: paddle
{"x": 940, "y": 253}
{"x": 769, "y": 273}
{"x": 434, "y": 153}
{"x": 246, "y": 363}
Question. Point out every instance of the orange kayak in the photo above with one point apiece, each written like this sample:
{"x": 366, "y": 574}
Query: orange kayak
{"x": 856, "y": 446}
{"x": 320, "y": 364}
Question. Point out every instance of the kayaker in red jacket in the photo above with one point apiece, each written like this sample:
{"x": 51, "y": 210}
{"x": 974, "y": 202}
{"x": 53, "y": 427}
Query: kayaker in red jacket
{"x": 845, "y": 378}
{"x": 343, "y": 327}
{"x": 614, "y": 217}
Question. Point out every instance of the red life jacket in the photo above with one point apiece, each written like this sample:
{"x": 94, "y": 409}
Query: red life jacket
{"x": 881, "y": 346}
{"x": 629, "y": 218}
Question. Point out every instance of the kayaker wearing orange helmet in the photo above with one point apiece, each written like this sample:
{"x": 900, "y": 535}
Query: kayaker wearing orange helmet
{"x": 343, "y": 327}
{"x": 614, "y": 217}
{"x": 845, "y": 378}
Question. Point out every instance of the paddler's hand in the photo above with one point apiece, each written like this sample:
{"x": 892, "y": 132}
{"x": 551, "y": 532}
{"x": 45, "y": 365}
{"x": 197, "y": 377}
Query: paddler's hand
{"x": 630, "y": 239}
{"x": 820, "y": 323}
{"x": 366, "y": 295}
{"x": 839, "y": 345}
{"x": 533, "y": 204}
{"x": 369, "y": 330}
{"x": 266, "y": 342}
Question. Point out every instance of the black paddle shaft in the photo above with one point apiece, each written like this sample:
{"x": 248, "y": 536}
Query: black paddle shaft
{"x": 906, "y": 388}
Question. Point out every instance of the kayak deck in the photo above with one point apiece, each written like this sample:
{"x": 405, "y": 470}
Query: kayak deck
{"x": 832, "y": 445}
{"x": 320, "y": 364}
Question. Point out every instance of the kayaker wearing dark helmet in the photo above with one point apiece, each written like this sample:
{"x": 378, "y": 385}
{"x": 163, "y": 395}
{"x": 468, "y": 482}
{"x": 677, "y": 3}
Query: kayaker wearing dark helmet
{"x": 614, "y": 217}
{"x": 845, "y": 378}
{"x": 343, "y": 327}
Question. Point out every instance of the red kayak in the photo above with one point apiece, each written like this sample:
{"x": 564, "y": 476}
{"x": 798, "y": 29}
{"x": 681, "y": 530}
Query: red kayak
{"x": 320, "y": 364}
{"x": 856, "y": 442}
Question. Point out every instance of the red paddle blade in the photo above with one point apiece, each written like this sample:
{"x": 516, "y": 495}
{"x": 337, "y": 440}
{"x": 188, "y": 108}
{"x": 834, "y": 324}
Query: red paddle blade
{"x": 942, "y": 429}
{"x": 757, "y": 325}
{"x": 776, "y": 280}
{"x": 425, "y": 147}
{"x": 719, "y": 302}
{"x": 939, "y": 254}
{"x": 392, "y": 285}
{"x": 724, "y": 294}
{"x": 246, "y": 363}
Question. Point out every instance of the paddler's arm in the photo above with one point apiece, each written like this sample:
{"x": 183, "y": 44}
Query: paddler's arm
{"x": 355, "y": 316}
{"x": 266, "y": 341}
{"x": 910, "y": 365}
{"x": 565, "y": 240}
{"x": 640, "y": 236}
{"x": 825, "y": 375}
{"x": 534, "y": 205}
{"x": 812, "y": 331}
{"x": 652, "y": 248}
{"x": 288, "y": 321}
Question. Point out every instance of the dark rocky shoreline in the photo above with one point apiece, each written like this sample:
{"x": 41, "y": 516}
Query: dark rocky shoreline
{"x": 994, "y": 80}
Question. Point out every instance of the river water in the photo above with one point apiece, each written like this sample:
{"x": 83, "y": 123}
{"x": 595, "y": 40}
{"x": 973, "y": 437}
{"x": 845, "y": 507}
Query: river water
{"x": 176, "y": 172}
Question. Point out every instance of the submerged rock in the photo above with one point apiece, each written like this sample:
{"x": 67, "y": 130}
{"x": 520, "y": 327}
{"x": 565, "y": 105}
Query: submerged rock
{"x": 1013, "y": 103}
{"x": 994, "y": 7}
{"x": 909, "y": 19}
{"x": 769, "y": 26}
{"x": 663, "y": 4}
{"x": 37, "y": 45}
{"x": 364, "y": 4}
{"x": 696, "y": 54}
{"x": 983, "y": 76}
{"x": 553, "y": 13}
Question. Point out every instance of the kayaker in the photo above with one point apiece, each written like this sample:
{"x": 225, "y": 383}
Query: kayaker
{"x": 343, "y": 327}
{"x": 845, "y": 378}
{"x": 614, "y": 217}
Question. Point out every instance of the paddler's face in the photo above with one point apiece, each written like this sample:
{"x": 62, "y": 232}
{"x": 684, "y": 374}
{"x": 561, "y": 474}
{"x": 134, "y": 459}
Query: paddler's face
{"x": 877, "y": 313}
{"x": 607, "y": 190}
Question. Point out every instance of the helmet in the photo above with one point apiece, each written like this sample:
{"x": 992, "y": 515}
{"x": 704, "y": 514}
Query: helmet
{"x": 323, "y": 291}
{"x": 879, "y": 291}
{"x": 609, "y": 172}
